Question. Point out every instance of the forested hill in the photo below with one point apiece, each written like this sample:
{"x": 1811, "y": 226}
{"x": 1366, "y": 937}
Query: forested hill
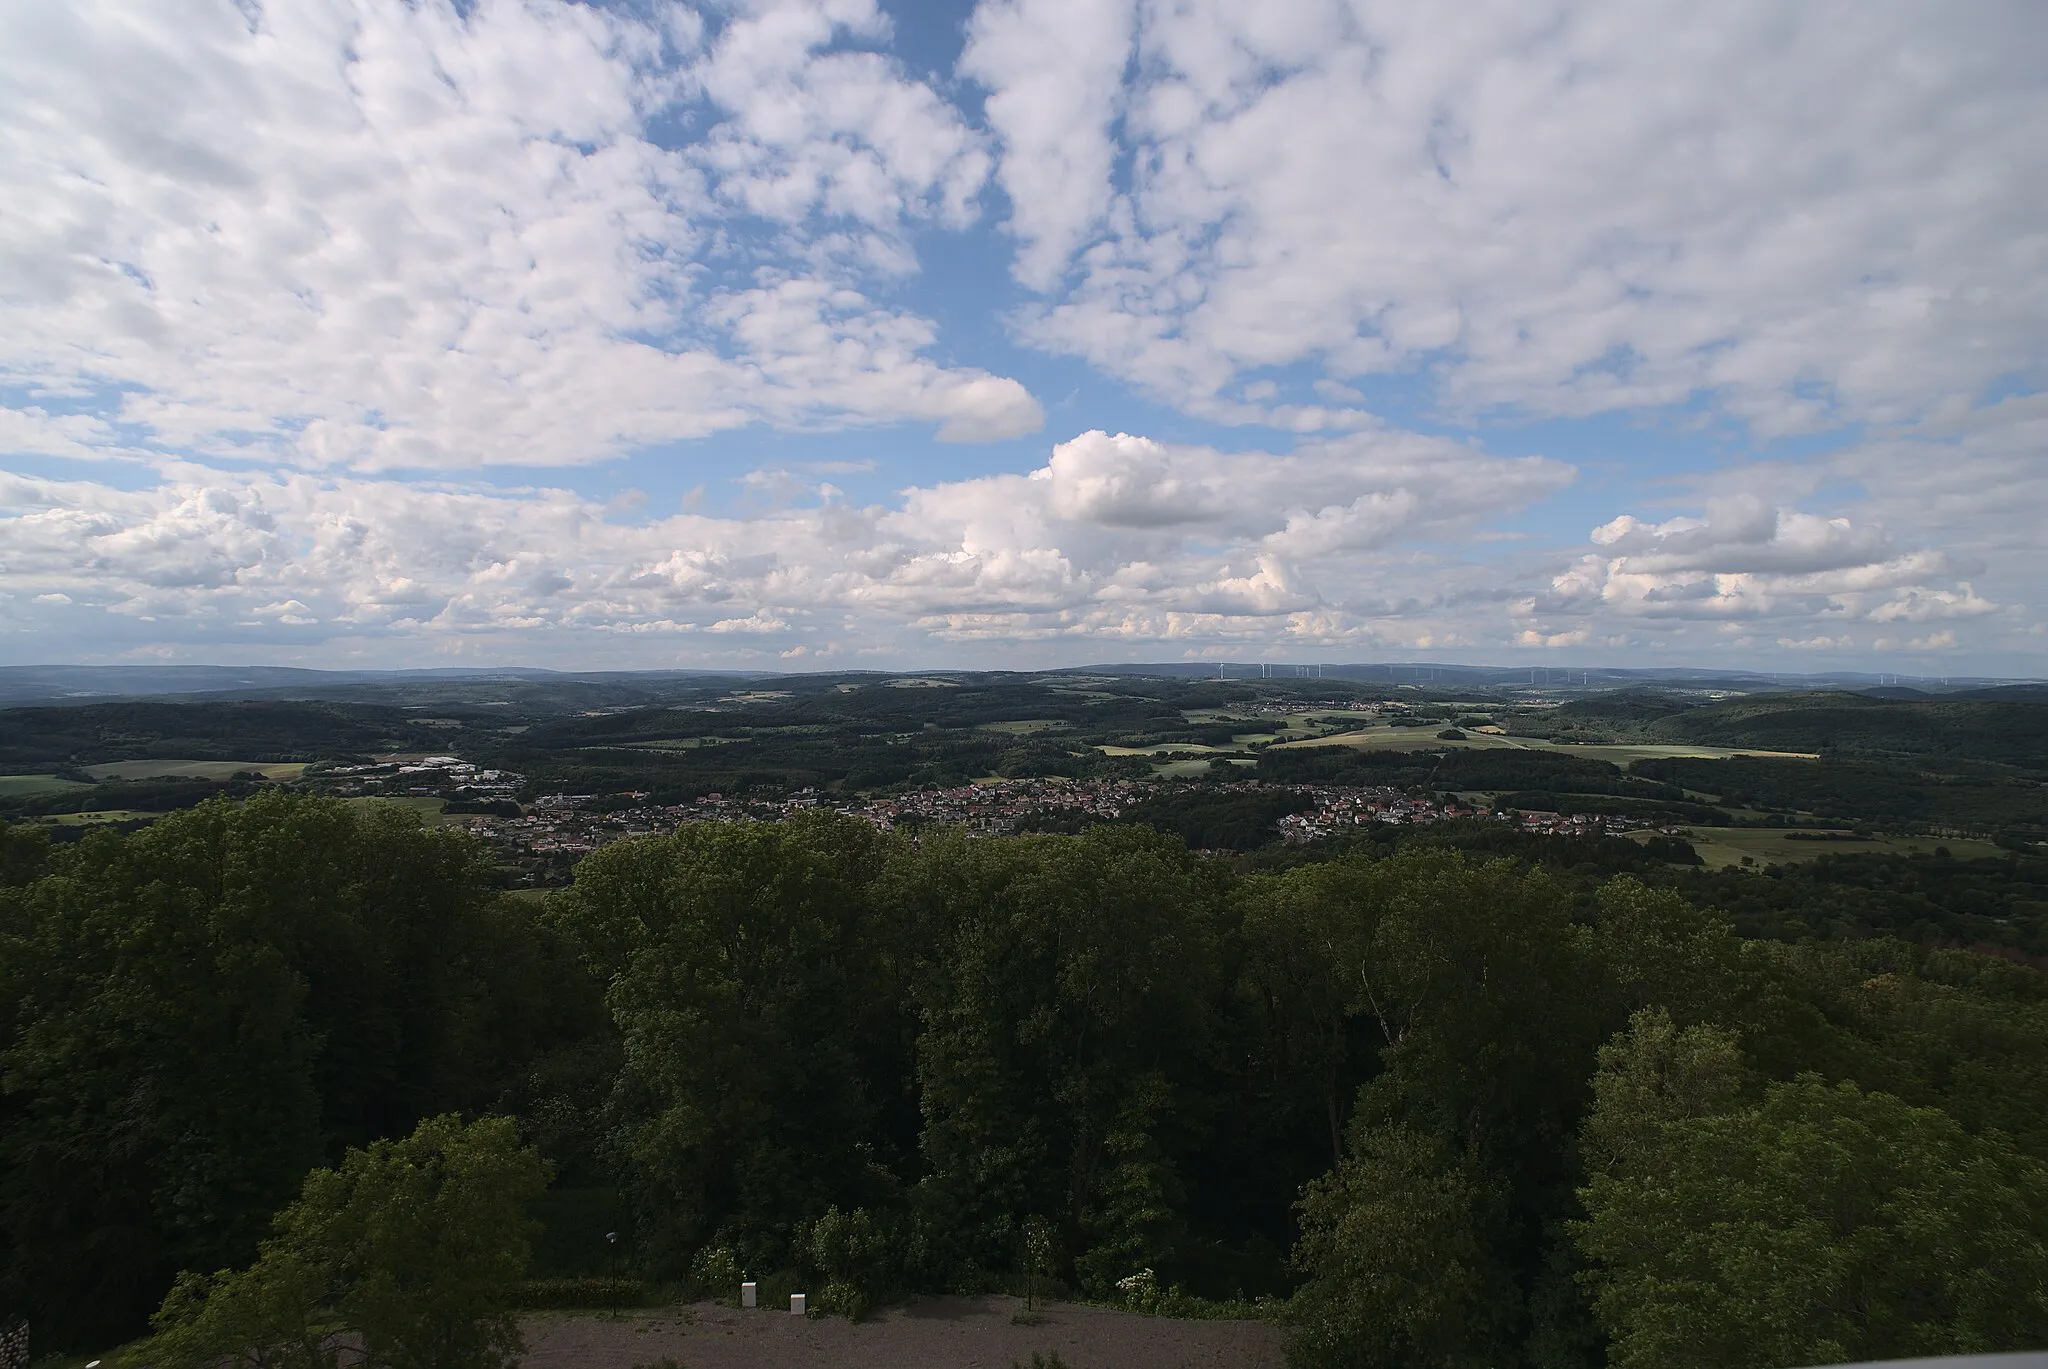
{"x": 2009, "y": 731}
{"x": 89, "y": 734}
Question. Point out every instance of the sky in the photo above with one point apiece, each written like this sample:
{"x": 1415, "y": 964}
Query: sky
{"x": 844, "y": 334}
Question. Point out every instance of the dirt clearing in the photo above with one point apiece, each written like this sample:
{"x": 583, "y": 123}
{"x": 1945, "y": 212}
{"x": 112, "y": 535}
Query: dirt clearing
{"x": 932, "y": 1333}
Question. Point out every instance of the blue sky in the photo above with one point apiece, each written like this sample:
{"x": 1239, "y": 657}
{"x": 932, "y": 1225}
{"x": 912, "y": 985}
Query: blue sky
{"x": 1029, "y": 332}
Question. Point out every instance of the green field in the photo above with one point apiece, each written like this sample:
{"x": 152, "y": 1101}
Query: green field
{"x": 1724, "y": 846}
{"x": 1165, "y": 749}
{"x": 1024, "y": 727}
{"x": 21, "y": 786}
{"x": 666, "y": 744}
{"x": 1199, "y": 765}
{"x": 1265, "y": 728}
{"x": 1422, "y": 738}
{"x": 425, "y": 805}
{"x": 194, "y": 770}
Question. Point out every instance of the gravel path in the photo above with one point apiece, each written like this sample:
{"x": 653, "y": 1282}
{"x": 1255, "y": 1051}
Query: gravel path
{"x": 932, "y": 1333}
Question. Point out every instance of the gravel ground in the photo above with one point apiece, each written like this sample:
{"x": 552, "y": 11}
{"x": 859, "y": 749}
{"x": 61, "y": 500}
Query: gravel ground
{"x": 932, "y": 1333}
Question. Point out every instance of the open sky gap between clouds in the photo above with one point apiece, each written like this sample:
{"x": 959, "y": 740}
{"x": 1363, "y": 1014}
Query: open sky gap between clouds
{"x": 311, "y": 314}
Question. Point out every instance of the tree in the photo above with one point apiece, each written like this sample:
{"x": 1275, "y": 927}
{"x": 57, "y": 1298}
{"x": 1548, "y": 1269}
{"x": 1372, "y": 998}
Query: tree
{"x": 1401, "y": 1274}
{"x": 156, "y": 1099}
{"x": 1488, "y": 1004}
{"x": 1305, "y": 938}
{"x": 193, "y": 1016}
{"x": 1820, "y": 1223}
{"x": 23, "y": 853}
{"x": 760, "y": 1006}
{"x": 1068, "y": 1001}
{"x": 411, "y": 1244}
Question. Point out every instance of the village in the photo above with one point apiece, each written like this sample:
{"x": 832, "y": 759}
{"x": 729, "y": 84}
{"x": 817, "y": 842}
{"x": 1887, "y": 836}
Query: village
{"x": 543, "y": 837}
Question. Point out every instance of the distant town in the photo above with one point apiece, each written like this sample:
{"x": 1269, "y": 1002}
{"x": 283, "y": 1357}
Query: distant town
{"x": 551, "y": 831}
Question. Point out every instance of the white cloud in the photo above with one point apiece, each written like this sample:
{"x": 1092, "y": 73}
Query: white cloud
{"x": 1744, "y": 535}
{"x": 1820, "y": 213}
{"x": 387, "y": 234}
{"x": 1115, "y": 538}
{"x": 1746, "y": 562}
{"x": 283, "y": 253}
{"x": 1055, "y": 72}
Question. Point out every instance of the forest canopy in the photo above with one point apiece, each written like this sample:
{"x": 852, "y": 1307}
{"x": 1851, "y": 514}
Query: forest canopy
{"x": 1455, "y": 1105}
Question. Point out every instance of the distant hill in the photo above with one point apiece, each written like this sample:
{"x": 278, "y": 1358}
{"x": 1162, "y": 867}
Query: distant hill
{"x": 1627, "y": 707}
{"x": 87, "y": 734}
{"x": 81, "y": 683}
{"x": 2011, "y": 732}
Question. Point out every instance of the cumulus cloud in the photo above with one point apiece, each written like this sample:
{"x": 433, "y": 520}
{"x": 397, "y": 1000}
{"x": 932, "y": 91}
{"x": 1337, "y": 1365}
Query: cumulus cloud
{"x": 1116, "y": 537}
{"x": 1815, "y": 214}
{"x": 1744, "y": 535}
{"x": 387, "y": 234}
{"x": 1746, "y": 562}
{"x": 315, "y": 265}
{"x": 1055, "y": 70}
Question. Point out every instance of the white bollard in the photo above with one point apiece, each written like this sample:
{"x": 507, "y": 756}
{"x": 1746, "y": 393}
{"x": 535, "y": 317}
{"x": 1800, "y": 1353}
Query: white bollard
{"x": 749, "y": 1295}
{"x": 796, "y": 1304}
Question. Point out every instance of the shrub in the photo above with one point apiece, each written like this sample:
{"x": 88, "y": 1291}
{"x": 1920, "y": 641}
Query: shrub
{"x": 854, "y": 1252}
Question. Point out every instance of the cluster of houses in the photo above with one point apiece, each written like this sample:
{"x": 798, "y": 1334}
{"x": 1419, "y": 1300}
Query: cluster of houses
{"x": 436, "y": 775}
{"x": 570, "y": 825}
{"x": 550, "y": 833}
{"x": 1342, "y": 807}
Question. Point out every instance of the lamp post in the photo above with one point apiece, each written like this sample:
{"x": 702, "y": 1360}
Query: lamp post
{"x": 612, "y": 1239}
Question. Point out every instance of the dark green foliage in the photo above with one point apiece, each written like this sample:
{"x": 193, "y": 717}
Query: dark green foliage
{"x": 143, "y": 796}
{"x": 867, "y": 1065}
{"x": 1676, "y": 850}
{"x": 1490, "y": 1003}
{"x": 193, "y": 1016}
{"x": 1811, "y": 1225}
{"x": 415, "y": 1246}
{"x": 1403, "y": 1272}
{"x": 23, "y": 851}
{"x": 1995, "y": 727}
{"x": 1344, "y": 765}
{"x": 1072, "y": 989}
{"x": 858, "y": 1255}
{"x": 1209, "y": 819}
{"x": 1991, "y": 903}
{"x": 1583, "y": 857}
{"x": 573, "y": 1220}
{"x": 2009, "y": 733}
{"x": 1489, "y": 770}
{"x": 1626, "y": 706}
{"x": 1844, "y": 790}
{"x": 759, "y": 999}
{"x": 857, "y": 735}
{"x": 87, "y": 734}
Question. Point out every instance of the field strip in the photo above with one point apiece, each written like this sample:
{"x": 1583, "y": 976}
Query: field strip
{"x": 193, "y": 770}
{"x": 1422, "y": 738}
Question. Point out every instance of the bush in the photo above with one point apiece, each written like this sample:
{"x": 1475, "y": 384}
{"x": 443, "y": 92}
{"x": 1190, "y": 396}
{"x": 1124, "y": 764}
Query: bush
{"x": 856, "y": 1255}
{"x": 717, "y": 1274}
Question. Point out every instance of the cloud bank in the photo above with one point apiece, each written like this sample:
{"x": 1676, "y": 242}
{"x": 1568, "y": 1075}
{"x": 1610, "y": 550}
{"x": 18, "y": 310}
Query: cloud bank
{"x": 1116, "y": 536}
